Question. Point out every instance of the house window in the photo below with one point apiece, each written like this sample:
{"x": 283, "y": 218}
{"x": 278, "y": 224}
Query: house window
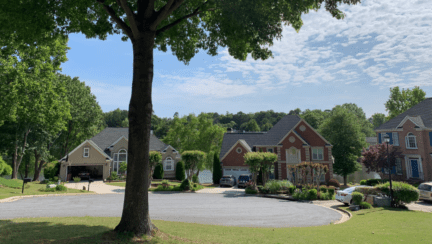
{"x": 410, "y": 141}
{"x": 270, "y": 150}
{"x": 119, "y": 157}
{"x": 317, "y": 154}
{"x": 239, "y": 150}
{"x": 86, "y": 152}
{"x": 399, "y": 166}
{"x": 395, "y": 139}
{"x": 169, "y": 164}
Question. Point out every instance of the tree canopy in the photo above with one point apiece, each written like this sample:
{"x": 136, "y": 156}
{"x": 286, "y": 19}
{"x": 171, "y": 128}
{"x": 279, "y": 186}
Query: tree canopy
{"x": 400, "y": 101}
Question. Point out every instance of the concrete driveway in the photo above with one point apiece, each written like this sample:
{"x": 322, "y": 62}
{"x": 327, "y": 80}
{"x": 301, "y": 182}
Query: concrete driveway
{"x": 223, "y": 190}
{"x": 98, "y": 187}
{"x": 215, "y": 209}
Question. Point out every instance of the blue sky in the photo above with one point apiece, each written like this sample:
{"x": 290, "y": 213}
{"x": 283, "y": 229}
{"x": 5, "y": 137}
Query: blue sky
{"x": 380, "y": 44}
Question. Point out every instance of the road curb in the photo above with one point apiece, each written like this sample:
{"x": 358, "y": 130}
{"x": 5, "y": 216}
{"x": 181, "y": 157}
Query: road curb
{"x": 16, "y": 198}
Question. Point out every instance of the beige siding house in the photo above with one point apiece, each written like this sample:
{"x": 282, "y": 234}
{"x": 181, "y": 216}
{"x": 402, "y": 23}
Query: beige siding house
{"x": 103, "y": 154}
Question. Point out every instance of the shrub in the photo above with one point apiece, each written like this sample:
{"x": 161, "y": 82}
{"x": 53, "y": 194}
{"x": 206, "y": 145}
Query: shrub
{"x": 357, "y": 197}
{"x": 291, "y": 190}
{"x": 331, "y": 191}
{"x": 333, "y": 182}
{"x": 195, "y": 179}
{"x": 114, "y": 175}
{"x": 55, "y": 178}
{"x": 61, "y": 188}
{"x": 323, "y": 189}
{"x": 180, "y": 171}
{"x": 403, "y": 193}
{"x": 186, "y": 185}
{"x": 312, "y": 194}
{"x": 217, "y": 169}
{"x": 363, "y": 182}
{"x": 158, "y": 171}
{"x": 165, "y": 182}
{"x": 365, "y": 205}
{"x": 77, "y": 179}
{"x": 301, "y": 195}
{"x": 249, "y": 190}
{"x": 5, "y": 169}
{"x": 374, "y": 182}
{"x": 308, "y": 186}
{"x": 51, "y": 169}
{"x": 48, "y": 190}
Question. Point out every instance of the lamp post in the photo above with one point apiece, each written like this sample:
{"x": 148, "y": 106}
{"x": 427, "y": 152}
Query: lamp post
{"x": 387, "y": 140}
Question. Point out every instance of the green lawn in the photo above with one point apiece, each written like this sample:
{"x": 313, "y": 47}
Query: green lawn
{"x": 367, "y": 226}
{"x": 32, "y": 188}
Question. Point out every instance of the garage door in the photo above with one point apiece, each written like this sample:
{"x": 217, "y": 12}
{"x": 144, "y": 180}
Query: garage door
{"x": 236, "y": 172}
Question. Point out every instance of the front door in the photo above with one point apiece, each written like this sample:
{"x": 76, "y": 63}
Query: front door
{"x": 292, "y": 156}
{"x": 415, "y": 170}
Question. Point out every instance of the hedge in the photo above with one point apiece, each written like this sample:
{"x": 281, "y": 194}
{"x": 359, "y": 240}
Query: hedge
{"x": 403, "y": 193}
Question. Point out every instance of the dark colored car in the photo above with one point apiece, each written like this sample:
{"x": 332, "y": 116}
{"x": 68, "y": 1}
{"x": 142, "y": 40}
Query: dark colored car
{"x": 243, "y": 179}
{"x": 84, "y": 175}
{"x": 228, "y": 180}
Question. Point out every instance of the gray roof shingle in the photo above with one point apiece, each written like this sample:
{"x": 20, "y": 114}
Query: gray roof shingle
{"x": 272, "y": 137}
{"x": 111, "y": 134}
{"x": 422, "y": 109}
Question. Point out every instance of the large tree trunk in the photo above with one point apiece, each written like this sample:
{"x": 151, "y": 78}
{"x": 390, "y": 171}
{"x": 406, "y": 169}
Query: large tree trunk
{"x": 37, "y": 168}
{"x": 135, "y": 217}
{"x": 345, "y": 180}
{"x": 14, "y": 162}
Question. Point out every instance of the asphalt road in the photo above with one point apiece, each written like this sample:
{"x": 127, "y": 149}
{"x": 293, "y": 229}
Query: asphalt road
{"x": 216, "y": 209}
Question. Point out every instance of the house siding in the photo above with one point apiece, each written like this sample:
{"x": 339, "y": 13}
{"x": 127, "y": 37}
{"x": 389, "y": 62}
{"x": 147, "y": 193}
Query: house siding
{"x": 235, "y": 159}
{"x": 173, "y": 155}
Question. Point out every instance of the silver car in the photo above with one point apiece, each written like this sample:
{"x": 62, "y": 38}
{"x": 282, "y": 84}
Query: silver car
{"x": 425, "y": 191}
{"x": 228, "y": 180}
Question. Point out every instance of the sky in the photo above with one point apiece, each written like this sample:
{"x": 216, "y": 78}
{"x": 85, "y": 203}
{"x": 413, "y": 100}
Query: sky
{"x": 380, "y": 44}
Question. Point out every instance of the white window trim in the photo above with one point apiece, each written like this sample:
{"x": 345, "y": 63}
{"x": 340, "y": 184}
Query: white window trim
{"x": 395, "y": 138}
{"x": 269, "y": 148}
{"x": 396, "y": 167}
{"x": 86, "y": 150}
{"x": 239, "y": 150}
{"x": 407, "y": 144}
{"x": 167, "y": 161}
{"x": 317, "y": 159}
{"x": 116, "y": 161}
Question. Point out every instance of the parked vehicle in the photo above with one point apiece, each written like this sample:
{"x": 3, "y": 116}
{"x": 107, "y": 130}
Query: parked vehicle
{"x": 425, "y": 191}
{"x": 84, "y": 175}
{"x": 344, "y": 196}
{"x": 227, "y": 180}
{"x": 243, "y": 179}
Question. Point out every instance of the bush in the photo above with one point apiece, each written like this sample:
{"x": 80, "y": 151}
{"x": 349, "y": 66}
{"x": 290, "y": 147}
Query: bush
{"x": 186, "y": 185}
{"x": 180, "y": 171}
{"x": 291, "y": 190}
{"x": 61, "y": 188}
{"x": 77, "y": 179}
{"x": 331, "y": 191}
{"x": 48, "y": 190}
{"x": 333, "y": 182}
{"x": 114, "y": 176}
{"x": 217, "y": 169}
{"x": 325, "y": 196}
{"x": 273, "y": 186}
{"x": 373, "y": 182}
{"x": 5, "y": 169}
{"x": 365, "y": 205}
{"x": 323, "y": 189}
{"x": 308, "y": 186}
{"x": 301, "y": 195}
{"x": 249, "y": 190}
{"x": 403, "y": 193}
{"x": 363, "y": 182}
{"x": 55, "y": 178}
{"x": 357, "y": 197}
{"x": 158, "y": 171}
{"x": 195, "y": 179}
{"x": 312, "y": 194}
{"x": 51, "y": 169}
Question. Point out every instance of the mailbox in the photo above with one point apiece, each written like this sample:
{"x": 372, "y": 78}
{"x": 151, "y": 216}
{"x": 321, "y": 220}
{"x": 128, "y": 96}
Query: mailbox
{"x": 26, "y": 180}
{"x": 90, "y": 181}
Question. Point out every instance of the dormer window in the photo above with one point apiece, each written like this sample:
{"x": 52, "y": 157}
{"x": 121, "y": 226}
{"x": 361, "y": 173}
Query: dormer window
{"x": 410, "y": 141}
{"x": 86, "y": 152}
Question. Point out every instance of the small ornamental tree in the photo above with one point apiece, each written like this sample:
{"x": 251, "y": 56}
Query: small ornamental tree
{"x": 253, "y": 159}
{"x": 292, "y": 169}
{"x": 267, "y": 164}
{"x": 217, "y": 169}
{"x": 123, "y": 167}
{"x": 180, "y": 171}
{"x": 192, "y": 159}
{"x": 374, "y": 158}
{"x": 319, "y": 170}
{"x": 158, "y": 172}
{"x": 154, "y": 159}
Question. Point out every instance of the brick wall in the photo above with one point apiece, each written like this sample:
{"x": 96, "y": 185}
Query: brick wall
{"x": 233, "y": 158}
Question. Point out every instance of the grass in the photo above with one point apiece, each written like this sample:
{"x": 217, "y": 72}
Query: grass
{"x": 376, "y": 225}
{"x": 32, "y": 188}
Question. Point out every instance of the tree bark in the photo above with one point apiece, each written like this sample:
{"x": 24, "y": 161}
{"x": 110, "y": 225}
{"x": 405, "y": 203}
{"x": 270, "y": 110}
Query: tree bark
{"x": 18, "y": 163}
{"x": 345, "y": 180}
{"x": 14, "y": 162}
{"x": 37, "y": 168}
{"x": 135, "y": 217}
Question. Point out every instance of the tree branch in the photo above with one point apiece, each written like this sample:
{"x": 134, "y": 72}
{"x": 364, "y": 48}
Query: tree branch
{"x": 163, "y": 12}
{"x": 116, "y": 19}
{"x": 169, "y": 26}
{"x": 130, "y": 15}
{"x": 145, "y": 9}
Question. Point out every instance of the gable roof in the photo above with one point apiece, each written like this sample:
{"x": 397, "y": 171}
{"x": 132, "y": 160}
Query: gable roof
{"x": 110, "y": 135}
{"x": 420, "y": 114}
{"x": 93, "y": 145}
{"x": 281, "y": 128}
{"x": 231, "y": 139}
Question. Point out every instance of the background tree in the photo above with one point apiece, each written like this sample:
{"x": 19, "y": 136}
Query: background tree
{"x": 296, "y": 111}
{"x": 154, "y": 159}
{"x": 401, "y": 101}
{"x": 243, "y": 27}
{"x": 115, "y": 118}
{"x": 217, "y": 169}
{"x": 251, "y": 125}
{"x": 314, "y": 117}
{"x": 366, "y": 126}
{"x": 344, "y": 132}
{"x": 5, "y": 169}
{"x": 192, "y": 160}
{"x": 378, "y": 119}
{"x": 180, "y": 171}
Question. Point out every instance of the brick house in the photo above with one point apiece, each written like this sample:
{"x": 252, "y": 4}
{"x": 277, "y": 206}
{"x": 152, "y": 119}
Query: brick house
{"x": 103, "y": 153}
{"x": 412, "y": 132}
{"x": 292, "y": 139}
